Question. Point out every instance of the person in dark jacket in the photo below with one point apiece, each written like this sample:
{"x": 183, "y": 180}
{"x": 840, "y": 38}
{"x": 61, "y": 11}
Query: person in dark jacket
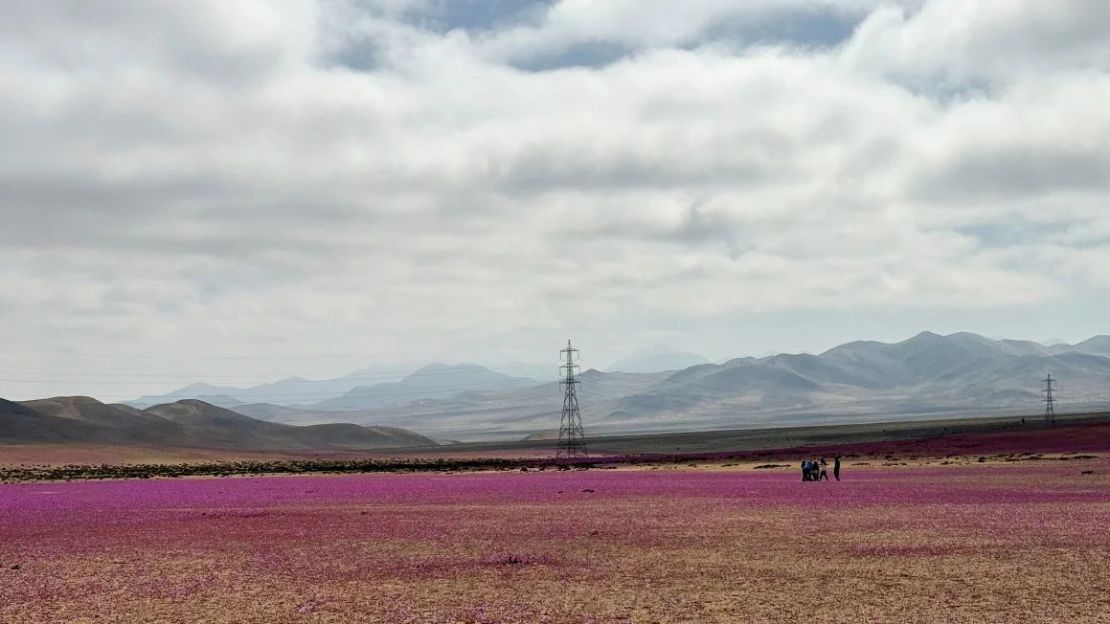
{"x": 836, "y": 467}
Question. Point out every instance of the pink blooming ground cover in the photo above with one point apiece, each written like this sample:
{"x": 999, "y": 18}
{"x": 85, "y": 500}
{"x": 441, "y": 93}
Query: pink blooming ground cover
{"x": 981, "y": 543}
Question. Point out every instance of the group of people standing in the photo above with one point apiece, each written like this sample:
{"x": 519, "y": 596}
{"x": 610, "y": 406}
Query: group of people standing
{"x": 814, "y": 470}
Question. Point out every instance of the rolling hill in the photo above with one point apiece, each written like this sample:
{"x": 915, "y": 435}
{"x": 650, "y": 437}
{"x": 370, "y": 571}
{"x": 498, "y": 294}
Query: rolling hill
{"x": 186, "y": 423}
{"x": 19, "y": 423}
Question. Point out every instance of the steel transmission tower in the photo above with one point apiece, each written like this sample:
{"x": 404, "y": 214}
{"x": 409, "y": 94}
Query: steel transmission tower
{"x": 1049, "y": 400}
{"x": 572, "y": 440}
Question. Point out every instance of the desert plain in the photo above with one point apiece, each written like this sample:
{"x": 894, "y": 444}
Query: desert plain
{"x": 982, "y": 527}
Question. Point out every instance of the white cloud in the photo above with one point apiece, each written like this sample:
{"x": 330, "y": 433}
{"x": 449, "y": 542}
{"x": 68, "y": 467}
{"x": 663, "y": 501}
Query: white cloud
{"x": 983, "y": 42}
{"x": 214, "y": 178}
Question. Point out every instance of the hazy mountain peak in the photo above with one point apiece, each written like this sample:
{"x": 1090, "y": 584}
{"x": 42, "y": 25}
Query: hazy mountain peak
{"x": 589, "y": 373}
{"x": 852, "y": 347}
{"x": 434, "y": 381}
{"x": 969, "y": 337}
{"x": 1098, "y": 345}
{"x": 439, "y": 367}
{"x": 925, "y": 337}
{"x": 195, "y": 412}
{"x": 220, "y": 400}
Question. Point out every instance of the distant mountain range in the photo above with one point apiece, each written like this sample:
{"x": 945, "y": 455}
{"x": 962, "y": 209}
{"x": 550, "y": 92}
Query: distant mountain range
{"x": 436, "y": 381}
{"x": 351, "y": 392}
{"x": 372, "y": 388}
{"x": 925, "y": 375}
{"x": 186, "y": 423}
{"x": 928, "y": 375}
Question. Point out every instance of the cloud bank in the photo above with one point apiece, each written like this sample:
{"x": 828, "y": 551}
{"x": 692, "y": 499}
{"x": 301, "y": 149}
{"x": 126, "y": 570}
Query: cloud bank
{"x": 407, "y": 180}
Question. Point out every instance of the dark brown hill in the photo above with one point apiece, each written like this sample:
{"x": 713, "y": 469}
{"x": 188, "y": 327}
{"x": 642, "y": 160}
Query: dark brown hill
{"x": 19, "y": 423}
{"x": 89, "y": 420}
{"x": 88, "y": 409}
{"x": 187, "y": 423}
{"x": 218, "y": 427}
{"x": 347, "y": 436}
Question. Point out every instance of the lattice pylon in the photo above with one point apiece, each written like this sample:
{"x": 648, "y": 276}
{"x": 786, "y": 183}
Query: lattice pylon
{"x": 572, "y": 439}
{"x": 1049, "y": 400}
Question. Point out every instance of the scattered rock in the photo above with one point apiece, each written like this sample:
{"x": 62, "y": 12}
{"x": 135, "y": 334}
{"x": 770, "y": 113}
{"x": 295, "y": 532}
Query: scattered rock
{"x": 588, "y": 490}
{"x": 16, "y": 566}
{"x": 1088, "y": 472}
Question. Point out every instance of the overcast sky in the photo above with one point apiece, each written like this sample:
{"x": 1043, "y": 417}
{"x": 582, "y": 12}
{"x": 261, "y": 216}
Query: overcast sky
{"x": 235, "y": 191}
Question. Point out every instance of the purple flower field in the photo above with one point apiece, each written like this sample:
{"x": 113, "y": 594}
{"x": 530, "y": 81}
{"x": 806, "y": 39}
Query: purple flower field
{"x": 989, "y": 542}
